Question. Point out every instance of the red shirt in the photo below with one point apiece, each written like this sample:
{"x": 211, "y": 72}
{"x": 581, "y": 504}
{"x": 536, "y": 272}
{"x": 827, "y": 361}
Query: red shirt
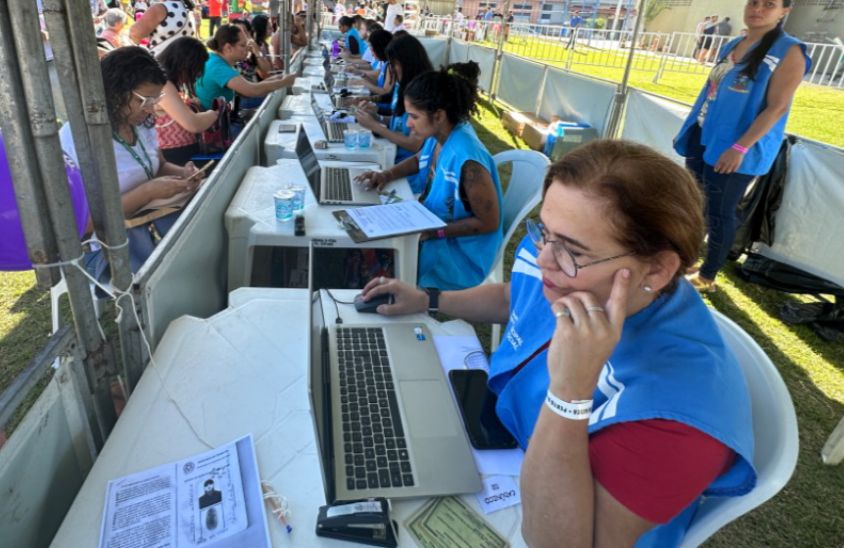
{"x": 656, "y": 468}
{"x": 215, "y": 8}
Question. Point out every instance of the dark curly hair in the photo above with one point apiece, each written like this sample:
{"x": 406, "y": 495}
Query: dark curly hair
{"x": 124, "y": 69}
{"x": 183, "y": 62}
{"x": 453, "y": 89}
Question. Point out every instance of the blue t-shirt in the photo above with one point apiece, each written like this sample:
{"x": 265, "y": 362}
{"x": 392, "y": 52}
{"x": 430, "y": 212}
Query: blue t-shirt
{"x": 463, "y": 261}
{"x": 671, "y": 363}
{"x": 212, "y": 83}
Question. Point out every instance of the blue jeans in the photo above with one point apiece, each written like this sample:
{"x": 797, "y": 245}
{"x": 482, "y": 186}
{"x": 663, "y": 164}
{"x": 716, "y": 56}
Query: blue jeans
{"x": 723, "y": 193}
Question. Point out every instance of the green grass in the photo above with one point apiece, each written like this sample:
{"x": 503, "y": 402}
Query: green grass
{"x": 817, "y": 112}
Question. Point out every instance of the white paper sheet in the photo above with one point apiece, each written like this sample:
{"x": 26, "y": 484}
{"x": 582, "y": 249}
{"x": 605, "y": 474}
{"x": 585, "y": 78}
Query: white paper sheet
{"x": 499, "y": 492}
{"x": 191, "y": 502}
{"x": 391, "y": 219}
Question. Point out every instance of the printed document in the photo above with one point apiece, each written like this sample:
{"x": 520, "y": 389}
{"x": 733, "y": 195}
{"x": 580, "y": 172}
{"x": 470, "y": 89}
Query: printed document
{"x": 196, "y": 501}
{"x": 399, "y": 218}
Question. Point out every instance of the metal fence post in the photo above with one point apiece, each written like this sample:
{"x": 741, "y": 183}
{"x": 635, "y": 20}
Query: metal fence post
{"x": 614, "y": 121}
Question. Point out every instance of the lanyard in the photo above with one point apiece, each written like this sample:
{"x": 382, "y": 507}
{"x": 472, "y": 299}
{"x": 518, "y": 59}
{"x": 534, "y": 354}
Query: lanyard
{"x": 146, "y": 165}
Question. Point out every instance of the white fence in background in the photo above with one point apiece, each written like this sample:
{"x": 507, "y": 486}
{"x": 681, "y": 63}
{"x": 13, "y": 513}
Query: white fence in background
{"x": 657, "y": 52}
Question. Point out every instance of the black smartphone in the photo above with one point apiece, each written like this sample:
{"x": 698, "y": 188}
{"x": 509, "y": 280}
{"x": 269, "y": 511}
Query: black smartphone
{"x": 477, "y": 406}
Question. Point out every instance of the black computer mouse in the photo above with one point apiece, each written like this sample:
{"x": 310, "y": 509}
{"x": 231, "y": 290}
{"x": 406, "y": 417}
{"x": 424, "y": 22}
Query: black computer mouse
{"x": 370, "y": 305}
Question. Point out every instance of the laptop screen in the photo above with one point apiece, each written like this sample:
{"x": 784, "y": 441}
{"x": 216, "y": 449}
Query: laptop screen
{"x": 308, "y": 159}
{"x": 319, "y": 390}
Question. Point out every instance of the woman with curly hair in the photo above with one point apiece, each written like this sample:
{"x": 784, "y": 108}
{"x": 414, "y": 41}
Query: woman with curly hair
{"x": 177, "y": 122}
{"x": 133, "y": 83}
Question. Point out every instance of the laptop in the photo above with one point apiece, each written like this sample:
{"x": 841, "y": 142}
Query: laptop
{"x": 386, "y": 422}
{"x": 333, "y": 131}
{"x": 333, "y": 185}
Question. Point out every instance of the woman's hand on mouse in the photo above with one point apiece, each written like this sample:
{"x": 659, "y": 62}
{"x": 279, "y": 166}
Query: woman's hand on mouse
{"x": 406, "y": 299}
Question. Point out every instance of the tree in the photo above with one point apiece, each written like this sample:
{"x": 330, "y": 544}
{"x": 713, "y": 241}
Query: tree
{"x": 654, "y": 8}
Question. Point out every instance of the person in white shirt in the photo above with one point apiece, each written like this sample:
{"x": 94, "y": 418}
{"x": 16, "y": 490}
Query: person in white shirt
{"x": 393, "y": 9}
{"x": 399, "y": 24}
{"x": 339, "y": 11}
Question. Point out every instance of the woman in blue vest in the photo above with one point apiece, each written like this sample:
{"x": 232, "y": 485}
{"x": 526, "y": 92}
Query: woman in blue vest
{"x": 736, "y": 126}
{"x": 353, "y": 44}
{"x": 612, "y": 373}
{"x": 458, "y": 175}
{"x": 379, "y": 80}
{"x": 408, "y": 59}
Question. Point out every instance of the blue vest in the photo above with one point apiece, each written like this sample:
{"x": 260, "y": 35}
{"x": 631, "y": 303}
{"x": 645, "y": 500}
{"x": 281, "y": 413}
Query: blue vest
{"x": 419, "y": 181}
{"x": 361, "y": 44}
{"x": 672, "y": 349}
{"x": 399, "y": 125}
{"x": 737, "y": 103}
{"x": 382, "y": 74}
{"x": 457, "y": 263}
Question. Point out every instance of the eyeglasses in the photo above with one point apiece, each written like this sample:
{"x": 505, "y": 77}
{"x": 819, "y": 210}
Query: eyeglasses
{"x": 148, "y": 101}
{"x": 563, "y": 255}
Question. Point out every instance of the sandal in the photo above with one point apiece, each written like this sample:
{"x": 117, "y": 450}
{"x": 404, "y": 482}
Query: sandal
{"x": 702, "y": 284}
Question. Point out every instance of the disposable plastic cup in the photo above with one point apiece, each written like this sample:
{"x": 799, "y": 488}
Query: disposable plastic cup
{"x": 298, "y": 197}
{"x": 364, "y": 138}
{"x": 284, "y": 205}
{"x": 350, "y": 138}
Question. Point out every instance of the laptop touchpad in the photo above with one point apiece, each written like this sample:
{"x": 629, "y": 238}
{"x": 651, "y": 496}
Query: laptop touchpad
{"x": 428, "y": 409}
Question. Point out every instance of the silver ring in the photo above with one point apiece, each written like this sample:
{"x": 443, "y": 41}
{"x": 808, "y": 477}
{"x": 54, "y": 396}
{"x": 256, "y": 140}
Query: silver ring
{"x": 382, "y": 280}
{"x": 564, "y": 313}
{"x": 595, "y": 308}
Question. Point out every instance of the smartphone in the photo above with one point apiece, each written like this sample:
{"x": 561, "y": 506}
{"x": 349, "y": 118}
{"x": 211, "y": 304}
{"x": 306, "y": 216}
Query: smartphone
{"x": 477, "y": 406}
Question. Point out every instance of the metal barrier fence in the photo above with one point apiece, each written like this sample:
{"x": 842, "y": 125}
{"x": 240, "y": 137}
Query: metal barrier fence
{"x": 657, "y": 52}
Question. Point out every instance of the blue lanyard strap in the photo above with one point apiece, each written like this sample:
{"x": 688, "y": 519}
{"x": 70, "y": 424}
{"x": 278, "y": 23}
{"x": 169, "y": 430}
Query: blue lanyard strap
{"x": 147, "y": 166}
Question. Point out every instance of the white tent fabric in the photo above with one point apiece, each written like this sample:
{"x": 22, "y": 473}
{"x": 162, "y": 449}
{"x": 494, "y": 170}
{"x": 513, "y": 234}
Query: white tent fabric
{"x": 574, "y": 97}
{"x": 653, "y": 121}
{"x": 520, "y": 82}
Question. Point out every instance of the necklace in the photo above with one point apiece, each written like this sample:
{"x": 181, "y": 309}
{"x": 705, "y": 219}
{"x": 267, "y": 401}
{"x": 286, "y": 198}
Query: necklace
{"x": 147, "y": 166}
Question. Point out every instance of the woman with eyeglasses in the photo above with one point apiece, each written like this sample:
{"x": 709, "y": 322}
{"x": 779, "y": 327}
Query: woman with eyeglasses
{"x": 133, "y": 83}
{"x": 611, "y": 374}
{"x": 220, "y": 78}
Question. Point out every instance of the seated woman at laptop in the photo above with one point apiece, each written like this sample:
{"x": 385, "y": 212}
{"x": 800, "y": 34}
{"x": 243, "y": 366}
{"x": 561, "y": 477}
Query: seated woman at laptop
{"x": 463, "y": 191}
{"x": 378, "y": 81}
{"x": 612, "y": 373}
{"x": 220, "y": 77}
{"x": 408, "y": 59}
{"x": 134, "y": 84}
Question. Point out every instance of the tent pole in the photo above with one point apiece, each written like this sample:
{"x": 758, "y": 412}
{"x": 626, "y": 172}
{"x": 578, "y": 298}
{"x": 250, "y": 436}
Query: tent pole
{"x": 499, "y": 50}
{"x": 621, "y": 93}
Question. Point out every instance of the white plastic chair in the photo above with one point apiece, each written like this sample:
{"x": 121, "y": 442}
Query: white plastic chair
{"x": 523, "y": 194}
{"x": 56, "y": 293}
{"x": 774, "y": 432}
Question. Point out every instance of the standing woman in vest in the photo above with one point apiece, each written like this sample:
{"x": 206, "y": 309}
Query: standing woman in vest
{"x": 736, "y": 126}
{"x": 464, "y": 190}
{"x": 163, "y": 22}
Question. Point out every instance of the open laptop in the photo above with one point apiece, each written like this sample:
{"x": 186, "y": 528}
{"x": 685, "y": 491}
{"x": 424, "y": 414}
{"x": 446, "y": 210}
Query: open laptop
{"x": 333, "y": 131}
{"x": 386, "y": 421}
{"x": 333, "y": 185}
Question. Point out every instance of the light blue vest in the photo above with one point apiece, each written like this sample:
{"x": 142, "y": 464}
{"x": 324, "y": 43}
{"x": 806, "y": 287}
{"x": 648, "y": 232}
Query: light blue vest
{"x": 457, "y": 263}
{"x": 361, "y": 44}
{"x": 671, "y": 349}
{"x": 399, "y": 125}
{"x": 419, "y": 181}
{"x": 738, "y": 102}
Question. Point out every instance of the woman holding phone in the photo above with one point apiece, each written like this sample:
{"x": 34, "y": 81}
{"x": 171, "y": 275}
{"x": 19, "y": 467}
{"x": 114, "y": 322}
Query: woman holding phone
{"x": 134, "y": 84}
{"x": 611, "y": 373}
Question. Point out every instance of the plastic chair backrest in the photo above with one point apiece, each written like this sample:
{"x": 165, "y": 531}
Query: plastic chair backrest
{"x": 523, "y": 194}
{"x": 774, "y": 431}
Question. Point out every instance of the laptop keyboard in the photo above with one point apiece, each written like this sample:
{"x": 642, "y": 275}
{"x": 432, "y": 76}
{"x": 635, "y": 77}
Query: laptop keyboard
{"x": 375, "y": 448}
{"x": 338, "y": 185}
{"x": 334, "y": 131}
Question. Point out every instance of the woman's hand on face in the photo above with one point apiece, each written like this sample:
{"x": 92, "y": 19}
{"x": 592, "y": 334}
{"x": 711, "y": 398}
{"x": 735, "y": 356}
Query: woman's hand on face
{"x": 729, "y": 162}
{"x": 253, "y": 48}
{"x": 372, "y": 180}
{"x": 406, "y": 299}
{"x": 586, "y": 335}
